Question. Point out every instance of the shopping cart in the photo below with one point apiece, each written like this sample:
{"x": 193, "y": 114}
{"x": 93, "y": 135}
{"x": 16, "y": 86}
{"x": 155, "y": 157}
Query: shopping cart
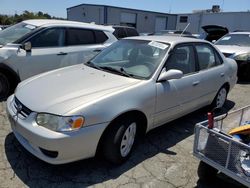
{"x": 221, "y": 152}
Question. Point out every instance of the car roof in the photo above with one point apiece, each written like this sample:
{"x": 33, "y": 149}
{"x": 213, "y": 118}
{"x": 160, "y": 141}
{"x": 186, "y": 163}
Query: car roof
{"x": 49, "y": 22}
{"x": 168, "y": 39}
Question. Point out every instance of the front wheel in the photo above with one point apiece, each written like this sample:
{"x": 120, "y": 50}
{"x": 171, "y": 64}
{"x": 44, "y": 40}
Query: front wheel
{"x": 220, "y": 98}
{"x": 120, "y": 140}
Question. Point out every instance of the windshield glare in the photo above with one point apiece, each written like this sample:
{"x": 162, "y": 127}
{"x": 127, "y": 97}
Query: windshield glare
{"x": 235, "y": 39}
{"x": 11, "y": 34}
{"x": 137, "y": 58}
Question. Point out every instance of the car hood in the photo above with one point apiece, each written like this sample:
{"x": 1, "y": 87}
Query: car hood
{"x": 211, "y": 29}
{"x": 60, "y": 91}
{"x": 233, "y": 50}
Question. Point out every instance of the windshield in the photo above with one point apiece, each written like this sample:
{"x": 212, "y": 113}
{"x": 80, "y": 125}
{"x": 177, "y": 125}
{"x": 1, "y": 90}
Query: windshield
{"x": 235, "y": 39}
{"x": 11, "y": 34}
{"x": 132, "y": 58}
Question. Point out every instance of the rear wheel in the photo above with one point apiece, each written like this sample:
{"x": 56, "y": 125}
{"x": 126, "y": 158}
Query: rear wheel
{"x": 120, "y": 140}
{"x": 4, "y": 86}
{"x": 220, "y": 98}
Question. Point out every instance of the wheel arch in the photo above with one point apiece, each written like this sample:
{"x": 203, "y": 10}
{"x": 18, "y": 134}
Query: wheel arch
{"x": 11, "y": 75}
{"x": 138, "y": 115}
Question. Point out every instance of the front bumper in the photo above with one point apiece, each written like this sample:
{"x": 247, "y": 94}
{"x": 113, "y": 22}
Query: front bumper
{"x": 41, "y": 142}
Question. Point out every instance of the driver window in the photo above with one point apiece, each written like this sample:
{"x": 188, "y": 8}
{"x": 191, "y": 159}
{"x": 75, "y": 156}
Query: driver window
{"x": 53, "y": 37}
{"x": 182, "y": 59}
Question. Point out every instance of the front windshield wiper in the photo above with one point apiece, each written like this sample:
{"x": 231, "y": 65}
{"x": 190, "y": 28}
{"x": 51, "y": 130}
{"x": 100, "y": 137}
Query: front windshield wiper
{"x": 91, "y": 64}
{"x": 121, "y": 71}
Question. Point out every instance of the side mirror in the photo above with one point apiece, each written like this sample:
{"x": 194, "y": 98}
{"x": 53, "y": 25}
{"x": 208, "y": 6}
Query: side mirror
{"x": 27, "y": 46}
{"x": 170, "y": 74}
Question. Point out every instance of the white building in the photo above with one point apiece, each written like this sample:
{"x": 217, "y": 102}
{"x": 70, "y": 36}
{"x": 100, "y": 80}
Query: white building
{"x": 232, "y": 20}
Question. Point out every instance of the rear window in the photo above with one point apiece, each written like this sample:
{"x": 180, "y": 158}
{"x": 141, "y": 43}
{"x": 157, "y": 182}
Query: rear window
{"x": 132, "y": 32}
{"x": 77, "y": 36}
{"x": 119, "y": 32}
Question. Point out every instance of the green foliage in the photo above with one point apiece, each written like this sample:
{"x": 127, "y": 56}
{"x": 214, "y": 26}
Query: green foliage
{"x": 9, "y": 20}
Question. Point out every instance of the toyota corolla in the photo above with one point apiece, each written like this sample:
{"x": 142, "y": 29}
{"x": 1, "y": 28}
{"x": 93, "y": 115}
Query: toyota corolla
{"x": 105, "y": 105}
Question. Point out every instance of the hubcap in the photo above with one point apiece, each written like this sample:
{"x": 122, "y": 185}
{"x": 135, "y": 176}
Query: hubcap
{"x": 128, "y": 140}
{"x": 221, "y": 98}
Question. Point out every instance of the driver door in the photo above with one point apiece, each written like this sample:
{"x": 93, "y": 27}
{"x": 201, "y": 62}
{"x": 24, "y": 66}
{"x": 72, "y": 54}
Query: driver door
{"x": 47, "y": 53}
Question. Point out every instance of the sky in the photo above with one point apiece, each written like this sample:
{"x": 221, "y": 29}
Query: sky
{"x": 58, "y": 7}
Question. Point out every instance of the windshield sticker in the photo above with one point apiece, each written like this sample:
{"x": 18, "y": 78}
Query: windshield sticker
{"x": 30, "y": 26}
{"x": 226, "y": 38}
{"x": 158, "y": 45}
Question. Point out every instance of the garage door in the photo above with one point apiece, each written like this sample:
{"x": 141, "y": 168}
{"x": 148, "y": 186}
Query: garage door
{"x": 128, "y": 18}
{"x": 160, "y": 23}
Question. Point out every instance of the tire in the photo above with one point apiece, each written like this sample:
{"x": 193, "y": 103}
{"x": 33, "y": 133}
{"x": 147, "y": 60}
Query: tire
{"x": 4, "y": 86}
{"x": 220, "y": 98}
{"x": 206, "y": 172}
{"x": 119, "y": 140}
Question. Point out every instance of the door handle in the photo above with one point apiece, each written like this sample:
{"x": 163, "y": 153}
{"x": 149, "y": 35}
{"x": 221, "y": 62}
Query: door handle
{"x": 62, "y": 53}
{"x": 196, "y": 83}
{"x": 97, "y": 50}
{"x": 222, "y": 74}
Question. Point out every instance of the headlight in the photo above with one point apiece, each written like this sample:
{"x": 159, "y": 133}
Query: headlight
{"x": 243, "y": 57}
{"x": 59, "y": 123}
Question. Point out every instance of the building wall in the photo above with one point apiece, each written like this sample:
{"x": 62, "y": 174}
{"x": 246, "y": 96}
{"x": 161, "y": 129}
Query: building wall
{"x": 86, "y": 13}
{"x": 232, "y": 20}
{"x": 145, "y": 20}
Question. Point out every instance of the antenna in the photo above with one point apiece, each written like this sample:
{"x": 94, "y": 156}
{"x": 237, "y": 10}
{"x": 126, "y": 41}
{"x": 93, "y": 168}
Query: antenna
{"x": 185, "y": 29}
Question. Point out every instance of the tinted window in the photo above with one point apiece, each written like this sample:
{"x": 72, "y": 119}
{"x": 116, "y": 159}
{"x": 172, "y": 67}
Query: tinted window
{"x": 53, "y": 37}
{"x": 119, "y": 32}
{"x": 206, "y": 56}
{"x": 132, "y": 32}
{"x": 182, "y": 59}
{"x": 80, "y": 36}
{"x": 100, "y": 37}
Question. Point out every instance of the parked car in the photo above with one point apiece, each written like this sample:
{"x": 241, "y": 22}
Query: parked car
{"x": 35, "y": 46}
{"x": 105, "y": 105}
{"x": 236, "y": 45}
{"x": 213, "y": 32}
{"x": 124, "y": 31}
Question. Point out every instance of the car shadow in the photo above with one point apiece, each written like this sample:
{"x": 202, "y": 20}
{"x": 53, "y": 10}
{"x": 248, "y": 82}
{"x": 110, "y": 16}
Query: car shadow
{"x": 36, "y": 173}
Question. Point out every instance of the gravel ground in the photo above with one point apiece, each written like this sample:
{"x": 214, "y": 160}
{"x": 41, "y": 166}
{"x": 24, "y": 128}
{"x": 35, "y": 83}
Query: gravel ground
{"x": 163, "y": 159}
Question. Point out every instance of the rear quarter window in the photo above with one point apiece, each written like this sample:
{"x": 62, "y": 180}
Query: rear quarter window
{"x": 100, "y": 36}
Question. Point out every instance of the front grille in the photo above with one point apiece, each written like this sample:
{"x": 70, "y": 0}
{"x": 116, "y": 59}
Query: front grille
{"x": 21, "y": 109}
{"x": 227, "y": 54}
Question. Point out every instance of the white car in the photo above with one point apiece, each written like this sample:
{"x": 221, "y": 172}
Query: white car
{"x": 131, "y": 87}
{"x": 236, "y": 45}
{"x": 36, "y": 46}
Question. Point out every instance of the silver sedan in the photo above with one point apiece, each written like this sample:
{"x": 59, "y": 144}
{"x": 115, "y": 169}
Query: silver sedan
{"x": 107, "y": 104}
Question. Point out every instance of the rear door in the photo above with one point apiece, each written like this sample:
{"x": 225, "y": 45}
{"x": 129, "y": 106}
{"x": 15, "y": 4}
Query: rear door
{"x": 83, "y": 44}
{"x": 211, "y": 72}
